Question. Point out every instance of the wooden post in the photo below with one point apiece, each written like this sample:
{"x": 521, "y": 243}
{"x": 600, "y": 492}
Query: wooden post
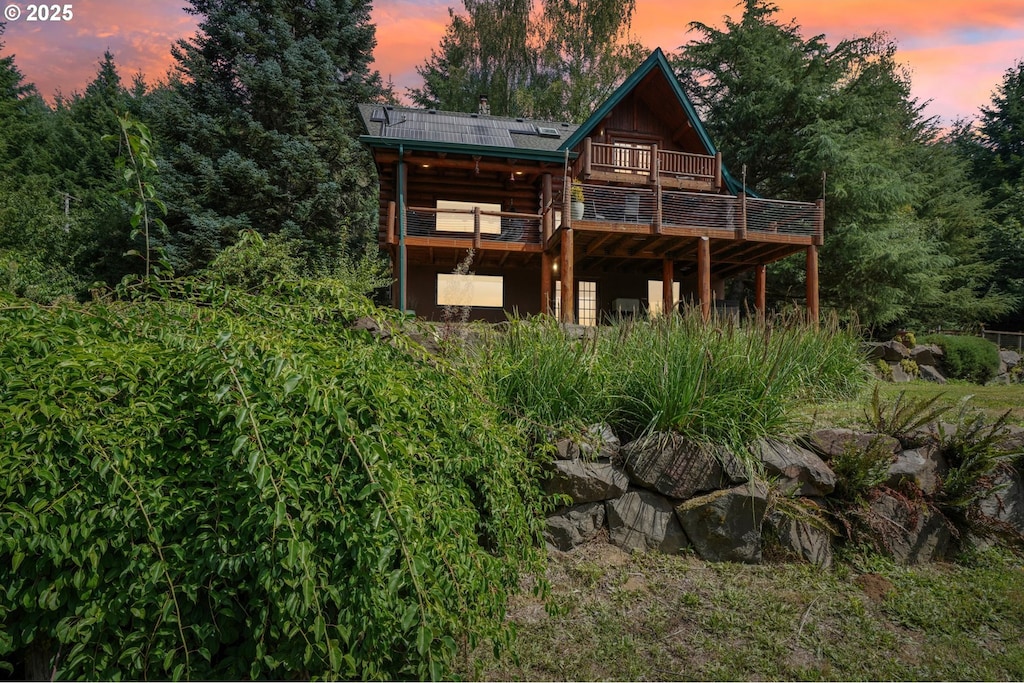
{"x": 545, "y": 282}
{"x": 567, "y": 275}
{"x": 392, "y": 212}
{"x": 760, "y": 287}
{"x": 819, "y": 228}
{"x": 654, "y": 170}
{"x": 476, "y": 227}
{"x": 741, "y": 229}
{"x": 812, "y": 284}
{"x": 588, "y": 156}
{"x": 704, "y": 276}
{"x": 547, "y": 209}
{"x": 718, "y": 170}
{"x": 657, "y": 208}
{"x": 668, "y": 276}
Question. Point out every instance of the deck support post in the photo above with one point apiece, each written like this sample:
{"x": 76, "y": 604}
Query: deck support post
{"x": 704, "y": 276}
{"x": 545, "y": 282}
{"x": 812, "y": 284}
{"x": 567, "y": 278}
{"x": 760, "y": 288}
{"x": 668, "y": 276}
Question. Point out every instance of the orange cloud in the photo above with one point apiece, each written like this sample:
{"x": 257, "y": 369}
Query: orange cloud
{"x": 957, "y": 51}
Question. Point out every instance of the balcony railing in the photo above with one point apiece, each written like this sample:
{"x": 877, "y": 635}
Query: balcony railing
{"x": 676, "y": 209}
{"x": 468, "y": 224}
{"x": 633, "y": 164}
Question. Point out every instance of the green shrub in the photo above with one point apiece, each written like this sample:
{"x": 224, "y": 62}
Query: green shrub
{"x": 229, "y": 486}
{"x": 968, "y": 358}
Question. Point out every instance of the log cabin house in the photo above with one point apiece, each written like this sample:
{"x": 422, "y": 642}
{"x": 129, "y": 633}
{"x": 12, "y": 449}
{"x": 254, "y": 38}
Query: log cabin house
{"x": 629, "y": 212}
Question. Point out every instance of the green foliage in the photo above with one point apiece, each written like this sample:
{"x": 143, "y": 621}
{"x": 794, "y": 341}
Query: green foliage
{"x": 974, "y": 452}
{"x": 230, "y": 486}
{"x": 968, "y": 358}
{"x": 906, "y": 234}
{"x": 260, "y": 129}
{"x": 860, "y": 470}
{"x": 903, "y": 415}
{"x": 136, "y": 165}
{"x": 714, "y": 383}
{"x": 553, "y": 59}
{"x": 910, "y": 367}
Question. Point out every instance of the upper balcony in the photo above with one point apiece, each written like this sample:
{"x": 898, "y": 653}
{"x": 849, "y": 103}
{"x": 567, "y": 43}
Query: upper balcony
{"x": 648, "y": 165}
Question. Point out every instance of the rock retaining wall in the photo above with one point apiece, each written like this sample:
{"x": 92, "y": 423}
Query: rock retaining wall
{"x": 665, "y": 493}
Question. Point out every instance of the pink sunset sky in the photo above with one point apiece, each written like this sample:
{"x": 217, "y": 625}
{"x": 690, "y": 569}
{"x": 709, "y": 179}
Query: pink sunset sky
{"x": 957, "y": 51}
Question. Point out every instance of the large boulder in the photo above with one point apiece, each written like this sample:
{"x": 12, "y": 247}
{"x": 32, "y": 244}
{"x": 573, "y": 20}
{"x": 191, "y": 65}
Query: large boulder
{"x": 599, "y": 442}
{"x": 890, "y": 351}
{"x": 677, "y": 467}
{"x": 643, "y": 520}
{"x": 586, "y": 482}
{"x": 926, "y": 354}
{"x": 1011, "y": 439}
{"x": 830, "y": 443}
{"x": 923, "y": 466}
{"x": 930, "y": 373}
{"x": 912, "y": 533}
{"x": 803, "y": 538}
{"x": 898, "y": 374}
{"x": 725, "y": 526}
{"x": 572, "y": 526}
{"x": 1005, "y": 502}
{"x": 800, "y": 471}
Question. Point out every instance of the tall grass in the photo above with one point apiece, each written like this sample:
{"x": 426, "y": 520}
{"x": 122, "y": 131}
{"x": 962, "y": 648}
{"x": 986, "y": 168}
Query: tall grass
{"x": 715, "y": 382}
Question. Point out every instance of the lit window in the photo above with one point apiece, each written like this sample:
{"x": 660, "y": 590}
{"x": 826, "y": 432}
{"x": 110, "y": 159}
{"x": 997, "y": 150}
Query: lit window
{"x": 586, "y": 302}
{"x": 655, "y": 298}
{"x": 463, "y": 222}
{"x": 483, "y": 291}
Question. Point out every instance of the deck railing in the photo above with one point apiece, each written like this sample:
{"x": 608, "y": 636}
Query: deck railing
{"x": 673, "y": 208}
{"x": 470, "y": 224}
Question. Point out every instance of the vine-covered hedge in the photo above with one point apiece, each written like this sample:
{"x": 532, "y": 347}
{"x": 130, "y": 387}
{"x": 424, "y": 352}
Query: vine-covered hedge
{"x": 218, "y": 485}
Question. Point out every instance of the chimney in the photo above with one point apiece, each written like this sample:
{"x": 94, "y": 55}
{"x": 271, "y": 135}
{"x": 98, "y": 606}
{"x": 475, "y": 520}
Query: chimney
{"x": 485, "y": 108}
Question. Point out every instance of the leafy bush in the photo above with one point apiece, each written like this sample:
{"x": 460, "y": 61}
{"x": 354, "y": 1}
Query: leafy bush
{"x": 236, "y": 486}
{"x": 968, "y": 358}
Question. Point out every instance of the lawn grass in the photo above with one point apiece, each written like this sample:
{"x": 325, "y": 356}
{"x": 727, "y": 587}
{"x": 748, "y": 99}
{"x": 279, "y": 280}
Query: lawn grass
{"x": 992, "y": 400}
{"x": 653, "y": 617}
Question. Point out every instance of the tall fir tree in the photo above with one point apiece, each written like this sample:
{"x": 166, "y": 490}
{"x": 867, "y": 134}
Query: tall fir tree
{"x": 900, "y": 248}
{"x": 994, "y": 146}
{"x": 260, "y": 128}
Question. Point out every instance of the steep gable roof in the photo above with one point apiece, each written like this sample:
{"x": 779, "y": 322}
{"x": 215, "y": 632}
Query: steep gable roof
{"x": 656, "y": 63}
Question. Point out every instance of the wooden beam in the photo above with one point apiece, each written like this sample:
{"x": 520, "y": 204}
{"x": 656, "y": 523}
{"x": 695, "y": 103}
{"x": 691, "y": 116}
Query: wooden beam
{"x": 668, "y": 276}
{"x": 812, "y": 285}
{"x": 760, "y": 289}
{"x": 547, "y": 208}
{"x": 545, "y": 282}
{"x": 392, "y": 213}
{"x": 704, "y": 276}
{"x": 567, "y": 274}
{"x": 598, "y": 242}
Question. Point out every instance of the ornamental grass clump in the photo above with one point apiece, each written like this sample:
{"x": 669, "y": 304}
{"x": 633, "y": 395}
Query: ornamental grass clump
{"x": 716, "y": 382}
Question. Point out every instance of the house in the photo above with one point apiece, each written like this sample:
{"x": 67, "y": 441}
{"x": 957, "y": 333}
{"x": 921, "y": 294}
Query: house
{"x": 632, "y": 210}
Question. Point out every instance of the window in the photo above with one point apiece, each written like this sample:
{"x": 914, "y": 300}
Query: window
{"x": 483, "y": 291}
{"x": 463, "y": 222}
{"x": 586, "y": 302}
{"x": 655, "y": 299}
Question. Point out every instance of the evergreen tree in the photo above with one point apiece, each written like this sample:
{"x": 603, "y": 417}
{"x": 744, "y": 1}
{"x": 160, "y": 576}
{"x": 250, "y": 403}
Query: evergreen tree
{"x": 994, "y": 146}
{"x": 260, "y": 128}
{"x": 900, "y": 247}
{"x": 553, "y": 59}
